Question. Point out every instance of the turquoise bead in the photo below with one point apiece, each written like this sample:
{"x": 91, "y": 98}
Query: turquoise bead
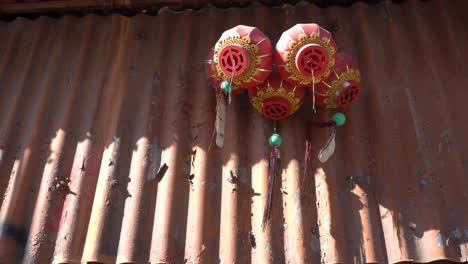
{"x": 226, "y": 86}
{"x": 339, "y": 119}
{"x": 275, "y": 140}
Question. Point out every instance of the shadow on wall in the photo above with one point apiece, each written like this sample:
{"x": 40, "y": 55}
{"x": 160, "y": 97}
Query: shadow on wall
{"x": 374, "y": 205}
{"x": 100, "y": 178}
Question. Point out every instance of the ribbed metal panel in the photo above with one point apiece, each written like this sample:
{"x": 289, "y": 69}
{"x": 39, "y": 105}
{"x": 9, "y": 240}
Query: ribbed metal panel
{"x": 92, "y": 107}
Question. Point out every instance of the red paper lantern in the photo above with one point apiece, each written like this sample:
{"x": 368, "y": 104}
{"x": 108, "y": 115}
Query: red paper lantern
{"x": 342, "y": 87}
{"x": 303, "y": 51}
{"x": 243, "y": 56}
{"x": 275, "y": 98}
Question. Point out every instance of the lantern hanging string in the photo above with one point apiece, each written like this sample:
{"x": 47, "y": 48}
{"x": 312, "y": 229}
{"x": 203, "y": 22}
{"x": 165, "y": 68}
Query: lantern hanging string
{"x": 230, "y": 90}
{"x": 307, "y": 154}
{"x": 313, "y": 90}
{"x": 219, "y": 97}
{"x": 230, "y": 82}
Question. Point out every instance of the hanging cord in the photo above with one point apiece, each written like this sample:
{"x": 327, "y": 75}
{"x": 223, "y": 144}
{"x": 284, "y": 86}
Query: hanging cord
{"x": 272, "y": 170}
{"x": 313, "y": 90}
{"x": 218, "y": 98}
{"x": 308, "y": 151}
{"x": 230, "y": 90}
{"x": 307, "y": 154}
{"x": 230, "y": 82}
{"x": 271, "y": 185}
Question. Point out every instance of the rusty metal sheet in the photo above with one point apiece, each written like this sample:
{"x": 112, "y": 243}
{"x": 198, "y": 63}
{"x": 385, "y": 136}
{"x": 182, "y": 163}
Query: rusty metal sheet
{"x": 106, "y": 125}
{"x": 127, "y": 7}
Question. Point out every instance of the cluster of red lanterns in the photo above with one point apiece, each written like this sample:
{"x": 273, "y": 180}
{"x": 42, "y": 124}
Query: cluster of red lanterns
{"x": 304, "y": 62}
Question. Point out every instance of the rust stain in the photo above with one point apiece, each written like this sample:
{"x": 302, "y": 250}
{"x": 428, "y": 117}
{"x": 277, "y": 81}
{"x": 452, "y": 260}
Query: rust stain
{"x": 106, "y": 123}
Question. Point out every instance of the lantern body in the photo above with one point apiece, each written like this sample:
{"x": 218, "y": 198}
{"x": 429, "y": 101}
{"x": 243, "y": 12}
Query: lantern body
{"x": 342, "y": 87}
{"x": 304, "y": 53}
{"x": 275, "y": 98}
{"x": 243, "y": 57}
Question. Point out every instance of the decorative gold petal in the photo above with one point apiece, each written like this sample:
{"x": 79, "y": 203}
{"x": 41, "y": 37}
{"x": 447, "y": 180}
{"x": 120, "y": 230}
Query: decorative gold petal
{"x": 270, "y": 92}
{"x": 292, "y": 44}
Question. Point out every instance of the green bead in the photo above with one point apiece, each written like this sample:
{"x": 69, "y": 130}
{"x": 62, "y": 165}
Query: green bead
{"x": 339, "y": 118}
{"x": 275, "y": 140}
{"x": 226, "y": 86}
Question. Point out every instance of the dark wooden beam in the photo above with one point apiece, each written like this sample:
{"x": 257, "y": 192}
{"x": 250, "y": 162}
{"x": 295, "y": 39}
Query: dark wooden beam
{"x": 22, "y": 7}
{"x": 18, "y": 8}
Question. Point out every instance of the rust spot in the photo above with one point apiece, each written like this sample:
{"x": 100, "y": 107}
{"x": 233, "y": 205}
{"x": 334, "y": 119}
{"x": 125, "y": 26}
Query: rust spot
{"x": 253, "y": 243}
{"x": 82, "y": 168}
{"x": 284, "y": 191}
{"x": 161, "y": 172}
{"x": 233, "y": 178}
{"x": 190, "y": 180}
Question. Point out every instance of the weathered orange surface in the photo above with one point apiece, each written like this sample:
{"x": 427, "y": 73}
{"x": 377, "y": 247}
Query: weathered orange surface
{"x": 91, "y": 107}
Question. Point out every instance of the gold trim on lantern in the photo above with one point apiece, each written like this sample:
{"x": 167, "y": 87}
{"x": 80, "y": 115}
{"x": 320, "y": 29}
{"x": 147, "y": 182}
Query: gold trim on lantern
{"x": 279, "y": 92}
{"x": 216, "y": 76}
{"x": 295, "y": 46}
{"x": 254, "y": 60}
{"x": 335, "y": 86}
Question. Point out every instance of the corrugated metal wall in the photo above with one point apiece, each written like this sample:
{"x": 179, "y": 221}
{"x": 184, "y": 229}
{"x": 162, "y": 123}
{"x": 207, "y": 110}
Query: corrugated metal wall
{"x": 90, "y": 108}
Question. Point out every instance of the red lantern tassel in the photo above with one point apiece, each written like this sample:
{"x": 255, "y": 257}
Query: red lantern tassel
{"x": 272, "y": 167}
{"x": 308, "y": 144}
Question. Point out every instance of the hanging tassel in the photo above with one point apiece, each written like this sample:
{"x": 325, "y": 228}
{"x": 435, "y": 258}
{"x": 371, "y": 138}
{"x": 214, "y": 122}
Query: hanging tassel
{"x": 308, "y": 145}
{"x": 225, "y": 87}
{"x": 220, "y": 119}
{"x": 271, "y": 183}
{"x": 274, "y": 141}
{"x": 328, "y": 149}
{"x": 308, "y": 151}
{"x": 218, "y": 128}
